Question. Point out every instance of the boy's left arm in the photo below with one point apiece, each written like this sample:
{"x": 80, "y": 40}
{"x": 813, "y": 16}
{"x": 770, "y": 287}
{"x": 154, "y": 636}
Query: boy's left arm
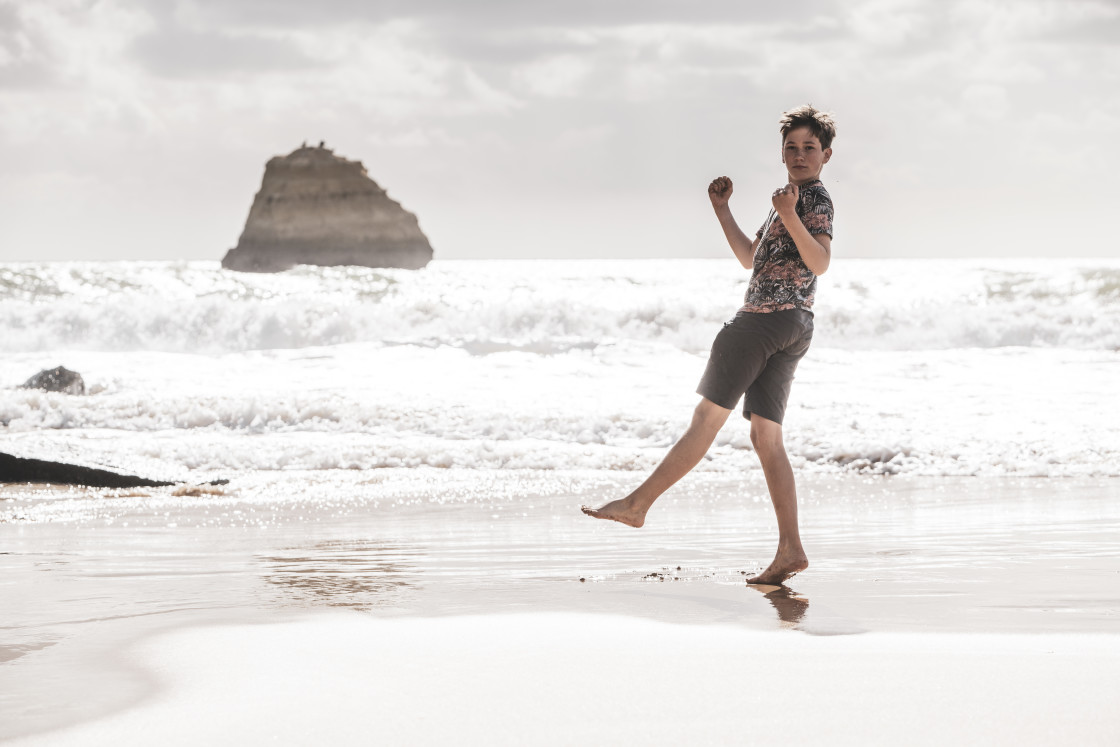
{"x": 815, "y": 249}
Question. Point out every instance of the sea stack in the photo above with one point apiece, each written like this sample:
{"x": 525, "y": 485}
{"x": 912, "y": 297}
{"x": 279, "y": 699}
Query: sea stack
{"x": 316, "y": 208}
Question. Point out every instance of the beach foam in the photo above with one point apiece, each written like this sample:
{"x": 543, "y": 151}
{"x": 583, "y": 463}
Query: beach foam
{"x": 918, "y": 367}
{"x": 995, "y": 412}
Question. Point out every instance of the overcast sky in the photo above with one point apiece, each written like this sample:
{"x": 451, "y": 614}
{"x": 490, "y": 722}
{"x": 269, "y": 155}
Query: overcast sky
{"x": 134, "y": 129}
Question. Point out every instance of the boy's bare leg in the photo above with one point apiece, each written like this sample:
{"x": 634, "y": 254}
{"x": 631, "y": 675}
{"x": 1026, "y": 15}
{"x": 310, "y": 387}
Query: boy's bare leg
{"x": 685, "y": 454}
{"x": 766, "y": 435}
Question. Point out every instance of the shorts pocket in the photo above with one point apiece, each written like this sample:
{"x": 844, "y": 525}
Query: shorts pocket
{"x": 807, "y": 321}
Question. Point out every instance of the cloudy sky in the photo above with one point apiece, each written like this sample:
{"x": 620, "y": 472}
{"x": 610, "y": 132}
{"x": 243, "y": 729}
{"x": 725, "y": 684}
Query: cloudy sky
{"x": 139, "y": 129}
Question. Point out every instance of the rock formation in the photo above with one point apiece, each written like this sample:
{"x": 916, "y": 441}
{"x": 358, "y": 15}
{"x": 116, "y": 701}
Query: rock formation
{"x": 317, "y": 208}
{"x": 57, "y": 380}
{"x": 17, "y": 469}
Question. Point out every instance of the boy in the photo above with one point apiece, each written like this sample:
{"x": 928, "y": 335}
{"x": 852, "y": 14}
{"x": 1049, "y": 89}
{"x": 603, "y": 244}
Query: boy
{"x": 757, "y": 352}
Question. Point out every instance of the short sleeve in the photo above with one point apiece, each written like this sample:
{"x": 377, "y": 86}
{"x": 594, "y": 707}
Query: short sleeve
{"x": 815, "y": 211}
{"x": 765, "y": 225}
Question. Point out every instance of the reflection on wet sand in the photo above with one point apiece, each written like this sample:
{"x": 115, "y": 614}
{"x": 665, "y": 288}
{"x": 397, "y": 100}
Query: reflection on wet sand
{"x": 790, "y": 605}
{"x": 355, "y": 574}
{"x": 13, "y": 652}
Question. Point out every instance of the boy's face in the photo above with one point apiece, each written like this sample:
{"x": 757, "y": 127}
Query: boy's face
{"x": 803, "y": 156}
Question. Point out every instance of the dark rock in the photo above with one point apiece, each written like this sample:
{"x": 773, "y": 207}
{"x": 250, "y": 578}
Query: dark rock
{"x": 316, "y": 208}
{"x": 17, "y": 469}
{"x": 57, "y": 380}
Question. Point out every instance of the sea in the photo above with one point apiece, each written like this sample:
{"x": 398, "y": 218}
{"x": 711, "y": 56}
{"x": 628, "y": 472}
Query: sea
{"x": 549, "y": 367}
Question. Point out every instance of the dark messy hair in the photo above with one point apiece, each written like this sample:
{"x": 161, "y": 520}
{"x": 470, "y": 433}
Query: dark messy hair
{"x": 819, "y": 123}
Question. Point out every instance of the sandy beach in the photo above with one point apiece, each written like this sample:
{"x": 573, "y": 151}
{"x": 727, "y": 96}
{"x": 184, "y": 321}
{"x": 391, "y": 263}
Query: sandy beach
{"x": 399, "y": 556}
{"x": 968, "y": 610}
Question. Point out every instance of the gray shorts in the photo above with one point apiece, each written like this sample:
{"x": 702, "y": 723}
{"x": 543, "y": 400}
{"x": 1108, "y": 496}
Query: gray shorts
{"x": 756, "y": 354}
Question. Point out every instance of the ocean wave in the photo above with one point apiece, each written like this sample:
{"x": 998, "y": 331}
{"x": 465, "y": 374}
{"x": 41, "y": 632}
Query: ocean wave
{"x": 929, "y": 425}
{"x": 547, "y": 307}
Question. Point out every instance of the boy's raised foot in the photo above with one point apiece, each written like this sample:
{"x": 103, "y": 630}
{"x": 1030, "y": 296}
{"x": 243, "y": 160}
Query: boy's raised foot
{"x": 784, "y": 567}
{"x": 618, "y": 511}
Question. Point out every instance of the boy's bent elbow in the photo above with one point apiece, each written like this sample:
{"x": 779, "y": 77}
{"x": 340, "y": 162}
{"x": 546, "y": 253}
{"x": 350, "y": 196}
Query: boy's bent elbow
{"x": 824, "y": 256}
{"x": 819, "y": 265}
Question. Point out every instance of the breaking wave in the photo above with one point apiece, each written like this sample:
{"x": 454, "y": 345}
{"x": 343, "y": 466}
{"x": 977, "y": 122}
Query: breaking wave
{"x": 546, "y": 306}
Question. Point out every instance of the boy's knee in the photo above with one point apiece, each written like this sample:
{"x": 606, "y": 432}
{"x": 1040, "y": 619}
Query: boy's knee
{"x": 710, "y": 415}
{"x": 766, "y": 435}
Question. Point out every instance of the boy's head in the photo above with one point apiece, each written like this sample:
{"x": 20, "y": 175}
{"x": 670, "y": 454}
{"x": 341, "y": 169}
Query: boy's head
{"x": 806, "y": 142}
{"x": 819, "y": 123}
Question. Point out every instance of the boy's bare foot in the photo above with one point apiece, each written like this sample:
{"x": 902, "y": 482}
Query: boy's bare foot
{"x": 617, "y": 511}
{"x": 784, "y": 567}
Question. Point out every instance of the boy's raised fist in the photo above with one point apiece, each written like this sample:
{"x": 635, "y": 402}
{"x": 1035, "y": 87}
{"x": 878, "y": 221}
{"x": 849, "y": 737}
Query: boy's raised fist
{"x": 785, "y": 199}
{"x": 719, "y": 191}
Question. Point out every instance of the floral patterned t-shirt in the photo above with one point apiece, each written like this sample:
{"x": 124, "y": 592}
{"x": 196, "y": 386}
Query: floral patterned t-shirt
{"x": 780, "y": 279}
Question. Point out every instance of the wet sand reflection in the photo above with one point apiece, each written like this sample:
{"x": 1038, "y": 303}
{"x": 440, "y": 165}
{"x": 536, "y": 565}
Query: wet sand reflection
{"x": 790, "y": 605}
{"x": 358, "y": 574}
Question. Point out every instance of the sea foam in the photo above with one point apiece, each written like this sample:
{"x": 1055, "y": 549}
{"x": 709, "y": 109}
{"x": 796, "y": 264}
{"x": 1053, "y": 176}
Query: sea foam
{"x": 917, "y": 367}
{"x": 547, "y": 306}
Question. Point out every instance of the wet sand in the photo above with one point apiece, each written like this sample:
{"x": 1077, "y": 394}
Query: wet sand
{"x": 416, "y": 610}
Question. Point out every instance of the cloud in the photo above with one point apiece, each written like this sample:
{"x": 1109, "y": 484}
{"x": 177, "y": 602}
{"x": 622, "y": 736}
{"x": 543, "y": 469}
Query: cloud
{"x": 986, "y": 101}
{"x": 504, "y": 111}
{"x": 889, "y": 22}
{"x": 25, "y": 61}
{"x": 556, "y": 76}
{"x": 1072, "y": 20}
{"x": 179, "y": 52}
{"x": 491, "y": 14}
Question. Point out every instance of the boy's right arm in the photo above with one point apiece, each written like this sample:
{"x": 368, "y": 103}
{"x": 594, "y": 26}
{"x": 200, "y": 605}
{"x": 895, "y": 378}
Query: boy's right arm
{"x": 719, "y": 191}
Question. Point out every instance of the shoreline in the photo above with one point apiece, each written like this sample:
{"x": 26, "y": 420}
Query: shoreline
{"x": 107, "y": 590}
